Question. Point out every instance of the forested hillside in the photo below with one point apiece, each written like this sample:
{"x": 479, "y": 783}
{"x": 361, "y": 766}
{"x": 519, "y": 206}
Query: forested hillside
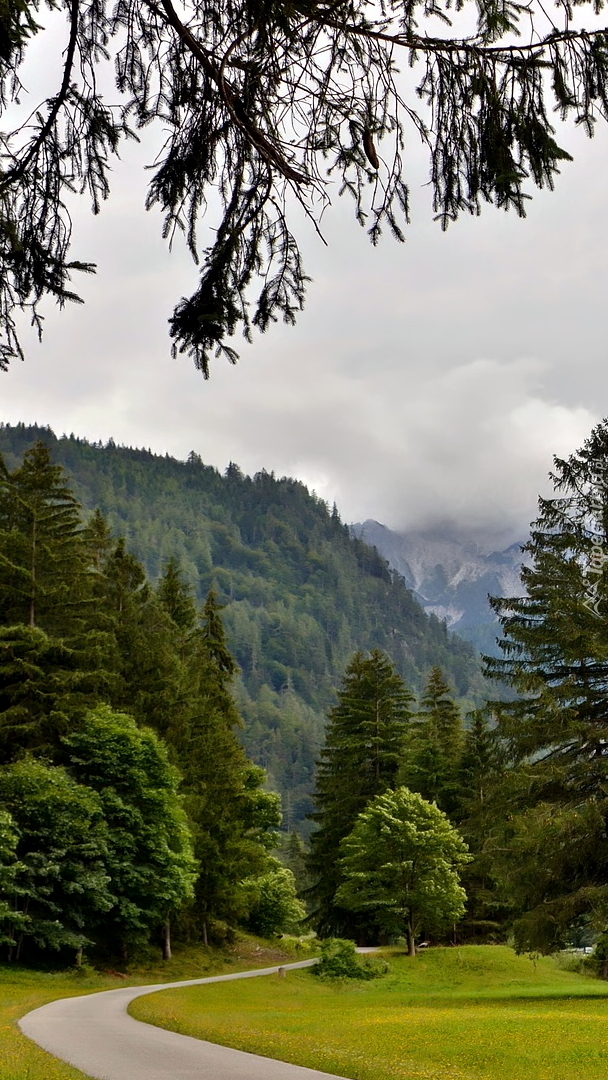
{"x": 299, "y": 594}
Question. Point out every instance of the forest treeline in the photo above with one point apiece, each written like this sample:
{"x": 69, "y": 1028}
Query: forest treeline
{"x": 299, "y": 595}
{"x": 129, "y": 803}
{"x": 127, "y": 799}
{"x": 523, "y": 781}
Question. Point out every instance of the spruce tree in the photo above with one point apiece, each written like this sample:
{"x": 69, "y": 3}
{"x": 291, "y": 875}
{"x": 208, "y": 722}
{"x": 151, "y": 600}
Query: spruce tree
{"x": 43, "y": 689}
{"x": 149, "y": 675}
{"x": 43, "y": 558}
{"x": 176, "y": 598}
{"x": 435, "y": 746}
{"x": 361, "y": 758}
{"x": 551, "y": 853}
{"x": 233, "y": 818}
{"x": 272, "y": 105}
{"x": 481, "y": 775}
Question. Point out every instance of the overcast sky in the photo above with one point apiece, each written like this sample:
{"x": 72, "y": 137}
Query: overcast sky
{"x": 425, "y": 382}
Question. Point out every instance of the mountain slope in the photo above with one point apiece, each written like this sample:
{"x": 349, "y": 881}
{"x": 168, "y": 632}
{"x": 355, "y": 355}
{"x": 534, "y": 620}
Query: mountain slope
{"x": 451, "y": 576}
{"x": 300, "y": 594}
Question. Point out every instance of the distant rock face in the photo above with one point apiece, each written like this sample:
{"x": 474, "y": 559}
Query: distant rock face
{"x": 451, "y": 575}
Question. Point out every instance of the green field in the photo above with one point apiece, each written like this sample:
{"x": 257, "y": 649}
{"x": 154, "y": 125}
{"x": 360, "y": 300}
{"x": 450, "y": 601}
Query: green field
{"x": 22, "y": 990}
{"x": 468, "y": 1013}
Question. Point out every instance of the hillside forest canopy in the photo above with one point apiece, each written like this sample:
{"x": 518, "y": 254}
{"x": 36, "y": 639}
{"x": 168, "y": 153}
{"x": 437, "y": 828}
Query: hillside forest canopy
{"x": 299, "y": 595}
{"x": 132, "y": 809}
{"x": 261, "y": 111}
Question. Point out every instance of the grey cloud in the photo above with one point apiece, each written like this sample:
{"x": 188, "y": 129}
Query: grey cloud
{"x": 424, "y": 382}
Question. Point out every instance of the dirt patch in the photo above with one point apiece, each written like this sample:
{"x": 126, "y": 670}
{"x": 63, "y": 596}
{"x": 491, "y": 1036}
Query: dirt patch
{"x": 264, "y": 955}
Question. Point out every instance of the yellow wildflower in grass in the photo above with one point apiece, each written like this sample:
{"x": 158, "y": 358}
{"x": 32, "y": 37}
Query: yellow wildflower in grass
{"x": 472, "y": 1013}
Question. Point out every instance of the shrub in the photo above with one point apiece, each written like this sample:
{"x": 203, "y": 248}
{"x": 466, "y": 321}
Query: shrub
{"x": 339, "y": 960}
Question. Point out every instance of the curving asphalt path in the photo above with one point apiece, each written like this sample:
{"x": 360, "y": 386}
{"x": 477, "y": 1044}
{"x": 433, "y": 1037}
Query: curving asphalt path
{"x": 96, "y": 1035}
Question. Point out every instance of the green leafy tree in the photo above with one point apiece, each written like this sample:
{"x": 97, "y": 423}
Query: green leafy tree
{"x": 401, "y": 863}
{"x": 12, "y": 921}
{"x": 435, "y": 746}
{"x": 275, "y": 100}
{"x": 149, "y": 861}
{"x": 363, "y": 752}
{"x": 273, "y": 905}
{"x": 339, "y": 960}
{"x": 61, "y": 890}
{"x": 555, "y": 656}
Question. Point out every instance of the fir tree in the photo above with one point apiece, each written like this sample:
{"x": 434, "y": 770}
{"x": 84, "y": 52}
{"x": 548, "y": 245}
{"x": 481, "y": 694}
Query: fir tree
{"x": 271, "y": 101}
{"x": 176, "y": 598}
{"x": 233, "y": 818}
{"x": 43, "y": 559}
{"x": 361, "y": 758}
{"x": 551, "y": 853}
{"x": 149, "y": 671}
{"x": 43, "y": 689}
{"x": 435, "y": 746}
{"x": 481, "y": 776}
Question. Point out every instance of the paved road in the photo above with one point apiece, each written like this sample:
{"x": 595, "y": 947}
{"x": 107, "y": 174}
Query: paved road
{"x": 96, "y": 1034}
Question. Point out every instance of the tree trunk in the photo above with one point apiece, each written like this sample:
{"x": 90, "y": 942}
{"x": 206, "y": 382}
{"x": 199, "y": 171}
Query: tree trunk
{"x": 205, "y": 940}
{"x": 167, "y": 939}
{"x": 411, "y": 943}
{"x": 33, "y": 576}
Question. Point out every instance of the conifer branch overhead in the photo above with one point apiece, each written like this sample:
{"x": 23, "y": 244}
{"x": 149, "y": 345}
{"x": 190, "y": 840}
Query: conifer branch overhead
{"x": 262, "y": 103}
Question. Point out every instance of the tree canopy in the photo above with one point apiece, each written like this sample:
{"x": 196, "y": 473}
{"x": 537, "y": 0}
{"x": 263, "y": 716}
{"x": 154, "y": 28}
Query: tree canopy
{"x": 551, "y": 853}
{"x": 401, "y": 863}
{"x": 364, "y": 745}
{"x": 258, "y": 107}
{"x": 91, "y": 659}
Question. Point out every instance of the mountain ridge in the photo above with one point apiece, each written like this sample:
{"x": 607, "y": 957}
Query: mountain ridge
{"x": 451, "y": 573}
{"x": 299, "y": 594}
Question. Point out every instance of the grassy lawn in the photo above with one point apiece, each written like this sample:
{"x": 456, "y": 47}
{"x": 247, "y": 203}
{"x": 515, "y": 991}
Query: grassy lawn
{"x": 469, "y": 1013}
{"x": 22, "y": 990}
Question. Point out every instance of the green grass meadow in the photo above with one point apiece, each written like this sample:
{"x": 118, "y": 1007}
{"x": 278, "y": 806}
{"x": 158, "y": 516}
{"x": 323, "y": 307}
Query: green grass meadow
{"x": 22, "y": 990}
{"x": 467, "y": 1013}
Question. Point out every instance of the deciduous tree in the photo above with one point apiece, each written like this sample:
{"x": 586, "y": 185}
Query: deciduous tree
{"x": 149, "y": 862}
{"x": 62, "y": 888}
{"x": 400, "y": 863}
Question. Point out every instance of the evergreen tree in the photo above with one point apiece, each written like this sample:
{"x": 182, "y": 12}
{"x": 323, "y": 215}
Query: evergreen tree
{"x": 43, "y": 563}
{"x": 555, "y": 655}
{"x": 276, "y": 100}
{"x": 43, "y": 689}
{"x": 176, "y": 598}
{"x": 435, "y": 746}
{"x": 148, "y": 667}
{"x": 233, "y": 819}
{"x": 361, "y": 758}
{"x": 482, "y": 770}
{"x": 294, "y": 854}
